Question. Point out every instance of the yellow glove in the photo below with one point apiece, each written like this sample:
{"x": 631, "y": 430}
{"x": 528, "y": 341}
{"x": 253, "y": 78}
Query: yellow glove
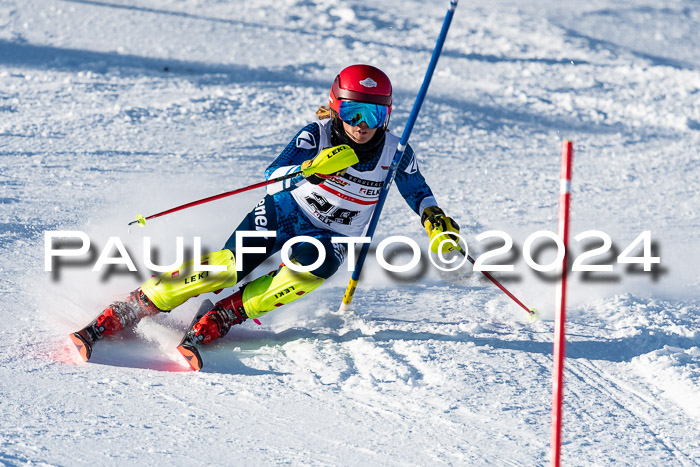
{"x": 329, "y": 161}
{"x": 436, "y": 222}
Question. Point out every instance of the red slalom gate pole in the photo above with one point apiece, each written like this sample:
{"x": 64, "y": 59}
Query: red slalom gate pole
{"x": 560, "y": 314}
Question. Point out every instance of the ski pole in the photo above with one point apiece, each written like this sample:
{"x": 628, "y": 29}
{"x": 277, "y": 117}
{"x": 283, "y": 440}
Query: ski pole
{"x": 327, "y": 162}
{"x": 530, "y": 311}
{"x": 352, "y": 285}
{"x": 142, "y": 220}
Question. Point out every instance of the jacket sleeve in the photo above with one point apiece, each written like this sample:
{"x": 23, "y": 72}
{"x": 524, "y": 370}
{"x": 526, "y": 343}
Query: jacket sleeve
{"x": 411, "y": 183}
{"x": 302, "y": 147}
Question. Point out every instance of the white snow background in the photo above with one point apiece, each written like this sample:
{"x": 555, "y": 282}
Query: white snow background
{"x": 111, "y": 108}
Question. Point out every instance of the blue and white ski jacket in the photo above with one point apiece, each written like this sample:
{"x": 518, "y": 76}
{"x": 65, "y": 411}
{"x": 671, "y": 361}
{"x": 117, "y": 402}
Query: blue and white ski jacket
{"x": 345, "y": 203}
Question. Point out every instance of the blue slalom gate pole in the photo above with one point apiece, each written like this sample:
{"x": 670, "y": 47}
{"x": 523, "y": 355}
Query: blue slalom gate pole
{"x": 352, "y": 285}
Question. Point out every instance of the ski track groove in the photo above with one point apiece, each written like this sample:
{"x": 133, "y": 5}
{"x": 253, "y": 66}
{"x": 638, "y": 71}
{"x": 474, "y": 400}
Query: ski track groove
{"x": 626, "y": 399}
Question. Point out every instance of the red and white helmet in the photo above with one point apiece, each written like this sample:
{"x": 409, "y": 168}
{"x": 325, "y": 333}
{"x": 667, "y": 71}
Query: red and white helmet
{"x": 361, "y": 83}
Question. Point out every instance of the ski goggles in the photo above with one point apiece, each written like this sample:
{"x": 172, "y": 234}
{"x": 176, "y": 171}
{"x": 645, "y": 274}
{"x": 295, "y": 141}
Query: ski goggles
{"x": 353, "y": 113}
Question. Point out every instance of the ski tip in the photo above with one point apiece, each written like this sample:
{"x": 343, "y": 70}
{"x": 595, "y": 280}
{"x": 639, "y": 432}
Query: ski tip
{"x": 344, "y": 307}
{"x": 191, "y": 355}
{"x": 81, "y": 345}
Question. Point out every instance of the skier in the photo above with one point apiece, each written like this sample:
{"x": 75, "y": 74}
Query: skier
{"x": 314, "y": 205}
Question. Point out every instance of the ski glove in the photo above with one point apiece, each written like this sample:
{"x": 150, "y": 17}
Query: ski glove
{"x": 329, "y": 162}
{"x": 436, "y": 222}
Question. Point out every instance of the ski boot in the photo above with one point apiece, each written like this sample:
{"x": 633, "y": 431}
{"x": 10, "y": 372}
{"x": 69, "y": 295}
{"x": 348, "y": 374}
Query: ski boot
{"x": 114, "y": 318}
{"x": 266, "y": 293}
{"x": 157, "y": 294}
{"x": 211, "y": 325}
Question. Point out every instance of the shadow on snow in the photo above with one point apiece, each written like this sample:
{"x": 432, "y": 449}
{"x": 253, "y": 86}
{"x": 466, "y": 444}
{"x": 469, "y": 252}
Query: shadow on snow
{"x": 65, "y": 59}
{"x": 348, "y": 38}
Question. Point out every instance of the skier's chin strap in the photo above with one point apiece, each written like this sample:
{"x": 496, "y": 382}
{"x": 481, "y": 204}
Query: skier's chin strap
{"x": 174, "y": 288}
{"x": 278, "y": 288}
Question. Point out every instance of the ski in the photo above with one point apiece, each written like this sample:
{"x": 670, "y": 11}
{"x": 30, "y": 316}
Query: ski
{"x": 85, "y": 339}
{"x": 187, "y": 346}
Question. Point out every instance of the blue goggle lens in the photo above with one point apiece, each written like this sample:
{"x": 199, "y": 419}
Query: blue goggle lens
{"x": 353, "y": 113}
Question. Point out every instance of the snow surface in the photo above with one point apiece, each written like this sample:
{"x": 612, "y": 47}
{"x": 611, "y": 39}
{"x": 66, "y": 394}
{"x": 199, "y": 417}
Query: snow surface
{"x": 110, "y": 108}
